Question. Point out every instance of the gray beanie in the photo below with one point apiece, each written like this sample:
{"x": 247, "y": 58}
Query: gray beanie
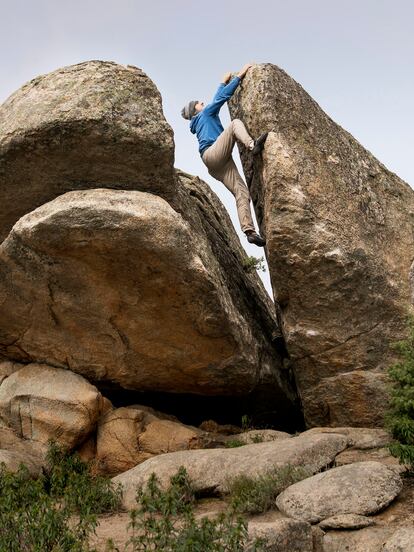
{"x": 189, "y": 110}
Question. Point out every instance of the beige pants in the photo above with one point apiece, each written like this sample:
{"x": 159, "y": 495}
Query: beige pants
{"x": 221, "y": 166}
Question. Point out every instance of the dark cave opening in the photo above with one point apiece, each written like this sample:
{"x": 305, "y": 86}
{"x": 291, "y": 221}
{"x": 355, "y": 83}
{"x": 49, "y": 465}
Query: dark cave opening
{"x": 262, "y": 411}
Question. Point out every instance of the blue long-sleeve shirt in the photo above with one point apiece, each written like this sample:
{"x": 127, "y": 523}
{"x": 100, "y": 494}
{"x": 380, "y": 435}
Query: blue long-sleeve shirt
{"x": 206, "y": 124}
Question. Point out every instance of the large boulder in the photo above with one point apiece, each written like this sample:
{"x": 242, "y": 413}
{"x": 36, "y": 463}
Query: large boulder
{"x": 211, "y": 470}
{"x": 360, "y": 488}
{"x": 40, "y": 403}
{"x": 117, "y": 286}
{"x": 340, "y": 241}
{"x": 127, "y": 436}
{"x": 94, "y": 124}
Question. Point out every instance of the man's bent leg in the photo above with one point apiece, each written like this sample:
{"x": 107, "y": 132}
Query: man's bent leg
{"x": 219, "y": 153}
{"x": 234, "y": 182}
{"x": 241, "y": 133}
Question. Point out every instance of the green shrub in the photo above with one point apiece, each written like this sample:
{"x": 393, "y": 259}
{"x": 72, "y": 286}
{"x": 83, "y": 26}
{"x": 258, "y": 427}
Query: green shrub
{"x": 250, "y": 264}
{"x": 177, "y": 499}
{"x": 255, "y": 495}
{"x": 165, "y": 520}
{"x": 400, "y": 418}
{"x": 31, "y": 520}
{"x": 55, "y": 512}
{"x": 69, "y": 478}
{"x": 246, "y": 423}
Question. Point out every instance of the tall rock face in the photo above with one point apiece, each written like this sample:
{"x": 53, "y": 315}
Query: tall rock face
{"x": 115, "y": 265}
{"x": 95, "y": 124}
{"x": 340, "y": 243}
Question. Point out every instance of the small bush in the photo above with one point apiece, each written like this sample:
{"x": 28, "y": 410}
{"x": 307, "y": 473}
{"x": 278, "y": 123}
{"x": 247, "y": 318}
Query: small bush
{"x": 400, "y": 418}
{"x": 177, "y": 499}
{"x": 255, "y": 495}
{"x": 250, "y": 264}
{"x": 57, "y": 511}
{"x": 69, "y": 478}
{"x": 31, "y": 520}
{"x": 164, "y": 520}
{"x": 246, "y": 423}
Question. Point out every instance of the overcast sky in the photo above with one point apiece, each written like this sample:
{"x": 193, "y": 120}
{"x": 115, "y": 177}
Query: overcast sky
{"x": 354, "y": 57}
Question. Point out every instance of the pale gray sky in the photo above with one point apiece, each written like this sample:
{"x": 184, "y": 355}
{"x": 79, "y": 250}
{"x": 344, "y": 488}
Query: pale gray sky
{"x": 354, "y": 57}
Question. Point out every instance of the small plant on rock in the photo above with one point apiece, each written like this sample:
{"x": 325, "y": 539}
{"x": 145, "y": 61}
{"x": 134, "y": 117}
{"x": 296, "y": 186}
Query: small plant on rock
{"x": 234, "y": 443}
{"x": 250, "y": 264}
{"x": 400, "y": 418}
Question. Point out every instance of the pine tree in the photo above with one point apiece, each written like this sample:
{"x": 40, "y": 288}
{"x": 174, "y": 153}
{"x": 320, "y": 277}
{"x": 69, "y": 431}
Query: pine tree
{"x": 400, "y": 418}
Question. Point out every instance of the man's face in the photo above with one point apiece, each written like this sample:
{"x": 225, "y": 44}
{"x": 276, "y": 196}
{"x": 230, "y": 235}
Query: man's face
{"x": 199, "y": 106}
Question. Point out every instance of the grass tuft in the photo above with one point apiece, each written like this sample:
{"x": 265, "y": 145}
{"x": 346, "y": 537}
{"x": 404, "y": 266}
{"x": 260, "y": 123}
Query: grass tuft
{"x": 255, "y": 495}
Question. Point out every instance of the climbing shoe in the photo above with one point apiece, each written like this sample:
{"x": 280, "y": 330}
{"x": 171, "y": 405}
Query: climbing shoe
{"x": 253, "y": 237}
{"x": 259, "y": 144}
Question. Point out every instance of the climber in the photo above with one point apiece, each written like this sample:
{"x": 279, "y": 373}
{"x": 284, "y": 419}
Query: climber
{"x": 216, "y": 146}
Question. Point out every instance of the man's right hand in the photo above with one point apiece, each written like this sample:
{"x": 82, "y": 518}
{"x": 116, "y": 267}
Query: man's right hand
{"x": 244, "y": 70}
{"x": 226, "y": 78}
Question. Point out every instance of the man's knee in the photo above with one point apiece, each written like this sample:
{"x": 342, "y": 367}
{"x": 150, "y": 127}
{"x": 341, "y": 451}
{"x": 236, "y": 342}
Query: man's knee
{"x": 236, "y": 122}
{"x": 242, "y": 190}
{"x": 217, "y": 174}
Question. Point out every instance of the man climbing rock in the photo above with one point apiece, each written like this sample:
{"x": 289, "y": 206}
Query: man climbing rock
{"x": 216, "y": 146}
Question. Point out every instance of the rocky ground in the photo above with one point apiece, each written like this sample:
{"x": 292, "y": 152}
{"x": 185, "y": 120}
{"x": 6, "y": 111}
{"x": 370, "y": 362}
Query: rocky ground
{"x": 368, "y": 508}
{"x": 398, "y": 517}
